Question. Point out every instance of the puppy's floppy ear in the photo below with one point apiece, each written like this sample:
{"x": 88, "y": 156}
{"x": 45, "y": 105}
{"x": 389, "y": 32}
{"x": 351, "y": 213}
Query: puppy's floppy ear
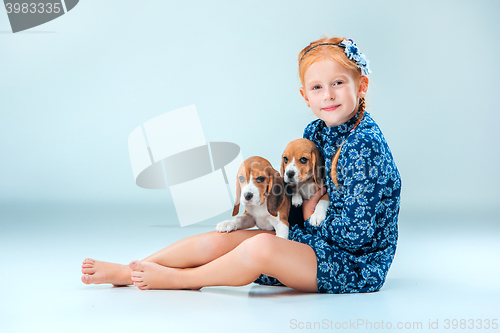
{"x": 236, "y": 208}
{"x": 282, "y": 170}
{"x": 276, "y": 192}
{"x": 318, "y": 168}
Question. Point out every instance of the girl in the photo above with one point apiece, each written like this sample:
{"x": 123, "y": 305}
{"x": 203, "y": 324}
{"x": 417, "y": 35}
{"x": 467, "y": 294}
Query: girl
{"x": 351, "y": 251}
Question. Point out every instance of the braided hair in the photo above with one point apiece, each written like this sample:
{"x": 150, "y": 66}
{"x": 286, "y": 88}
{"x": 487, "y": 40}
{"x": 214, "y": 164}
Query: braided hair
{"x": 335, "y": 159}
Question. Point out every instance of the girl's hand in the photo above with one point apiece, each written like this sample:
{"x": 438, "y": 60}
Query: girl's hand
{"x": 308, "y": 206}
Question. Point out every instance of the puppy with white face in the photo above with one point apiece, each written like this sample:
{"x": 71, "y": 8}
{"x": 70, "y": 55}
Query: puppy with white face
{"x": 260, "y": 189}
{"x": 303, "y": 170}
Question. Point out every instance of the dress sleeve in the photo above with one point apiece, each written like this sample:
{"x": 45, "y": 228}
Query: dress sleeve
{"x": 364, "y": 171}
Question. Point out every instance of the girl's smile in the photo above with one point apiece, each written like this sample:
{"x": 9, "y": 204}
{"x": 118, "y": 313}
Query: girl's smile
{"x": 331, "y": 92}
{"x": 331, "y": 108}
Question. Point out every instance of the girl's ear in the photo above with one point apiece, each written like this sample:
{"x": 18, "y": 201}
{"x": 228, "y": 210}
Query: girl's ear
{"x": 363, "y": 86}
{"x": 303, "y": 93}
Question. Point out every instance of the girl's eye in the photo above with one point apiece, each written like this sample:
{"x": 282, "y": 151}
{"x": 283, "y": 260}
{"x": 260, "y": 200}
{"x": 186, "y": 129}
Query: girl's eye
{"x": 338, "y": 83}
{"x": 316, "y": 87}
{"x": 285, "y": 159}
{"x": 260, "y": 179}
{"x": 241, "y": 178}
{"x": 303, "y": 160}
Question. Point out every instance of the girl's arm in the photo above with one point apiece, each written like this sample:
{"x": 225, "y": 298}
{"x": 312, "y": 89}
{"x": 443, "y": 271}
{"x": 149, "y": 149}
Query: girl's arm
{"x": 370, "y": 190}
{"x": 308, "y": 206}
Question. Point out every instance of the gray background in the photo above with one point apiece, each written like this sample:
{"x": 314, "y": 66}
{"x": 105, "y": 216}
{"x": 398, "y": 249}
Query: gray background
{"x": 73, "y": 89}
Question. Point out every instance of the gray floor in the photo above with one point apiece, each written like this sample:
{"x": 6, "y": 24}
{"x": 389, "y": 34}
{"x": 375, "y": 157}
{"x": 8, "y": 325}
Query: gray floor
{"x": 446, "y": 268}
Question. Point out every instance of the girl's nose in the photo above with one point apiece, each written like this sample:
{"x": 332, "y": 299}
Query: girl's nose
{"x": 329, "y": 94}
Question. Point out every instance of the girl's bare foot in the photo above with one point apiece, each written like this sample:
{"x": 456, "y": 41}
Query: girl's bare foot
{"x": 97, "y": 272}
{"x": 149, "y": 275}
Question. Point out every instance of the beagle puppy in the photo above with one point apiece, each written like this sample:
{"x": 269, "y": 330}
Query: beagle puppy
{"x": 261, "y": 191}
{"x": 303, "y": 170}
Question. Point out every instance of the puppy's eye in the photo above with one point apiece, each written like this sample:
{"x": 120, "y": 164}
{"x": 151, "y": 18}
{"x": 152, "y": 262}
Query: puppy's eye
{"x": 241, "y": 178}
{"x": 260, "y": 179}
{"x": 303, "y": 160}
{"x": 285, "y": 159}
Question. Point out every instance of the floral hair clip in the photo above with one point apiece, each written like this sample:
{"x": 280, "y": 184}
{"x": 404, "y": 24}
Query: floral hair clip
{"x": 352, "y": 53}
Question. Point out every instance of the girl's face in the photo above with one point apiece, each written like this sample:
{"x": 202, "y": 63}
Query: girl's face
{"x": 331, "y": 92}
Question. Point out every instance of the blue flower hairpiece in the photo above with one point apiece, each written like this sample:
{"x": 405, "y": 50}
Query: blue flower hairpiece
{"x": 352, "y": 53}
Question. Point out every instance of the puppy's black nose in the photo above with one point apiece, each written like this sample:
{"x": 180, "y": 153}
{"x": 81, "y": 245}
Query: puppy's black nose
{"x": 248, "y": 196}
{"x": 290, "y": 173}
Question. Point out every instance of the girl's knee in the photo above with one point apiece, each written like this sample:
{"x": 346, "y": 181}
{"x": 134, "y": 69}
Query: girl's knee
{"x": 259, "y": 249}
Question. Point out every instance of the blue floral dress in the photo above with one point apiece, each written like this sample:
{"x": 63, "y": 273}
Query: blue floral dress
{"x": 356, "y": 243}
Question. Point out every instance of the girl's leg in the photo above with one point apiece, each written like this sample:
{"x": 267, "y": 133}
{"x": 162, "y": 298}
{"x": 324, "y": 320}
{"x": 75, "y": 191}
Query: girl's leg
{"x": 189, "y": 252}
{"x": 200, "y": 249}
{"x": 293, "y": 263}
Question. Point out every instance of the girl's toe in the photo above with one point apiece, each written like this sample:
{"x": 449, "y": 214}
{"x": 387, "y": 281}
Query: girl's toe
{"x": 139, "y": 284}
{"x": 86, "y": 279}
{"x": 133, "y": 265}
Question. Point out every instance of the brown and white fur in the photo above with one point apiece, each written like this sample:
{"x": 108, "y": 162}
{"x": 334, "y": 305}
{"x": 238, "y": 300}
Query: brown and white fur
{"x": 303, "y": 170}
{"x": 260, "y": 189}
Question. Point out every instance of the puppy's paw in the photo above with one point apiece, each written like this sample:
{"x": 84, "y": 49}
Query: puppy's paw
{"x": 297, "y": 200}
{"x": 319, "y": 214}
{"x": 282, "y": 234}
{"x": 316, "y": 219}
{"x": 225, "y": 226}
